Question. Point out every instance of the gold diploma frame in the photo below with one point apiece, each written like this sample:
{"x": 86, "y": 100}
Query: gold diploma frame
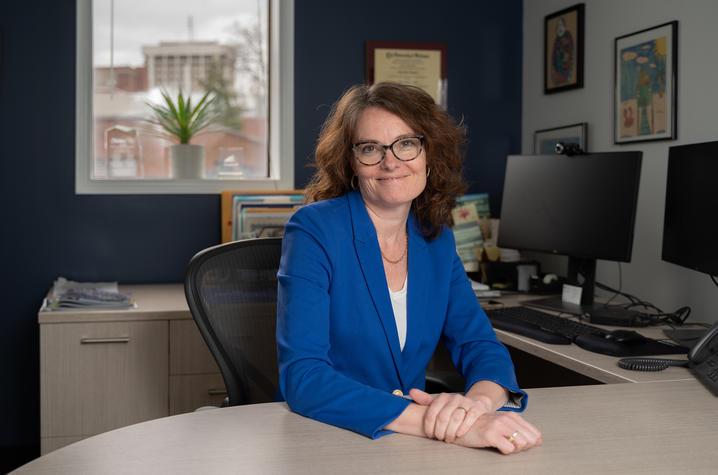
{"x": 418, "y": 64}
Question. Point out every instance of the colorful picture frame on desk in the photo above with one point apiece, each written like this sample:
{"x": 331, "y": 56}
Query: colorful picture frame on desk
{"x": 247, "y": 214}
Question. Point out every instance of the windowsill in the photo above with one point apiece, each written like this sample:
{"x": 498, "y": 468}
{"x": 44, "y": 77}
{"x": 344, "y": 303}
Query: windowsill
{"x": 203, "y": 186}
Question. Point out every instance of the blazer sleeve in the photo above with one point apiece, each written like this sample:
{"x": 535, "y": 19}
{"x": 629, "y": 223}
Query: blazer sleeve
{"x": 475, "y": 350}
{"x": 307, "y": 379}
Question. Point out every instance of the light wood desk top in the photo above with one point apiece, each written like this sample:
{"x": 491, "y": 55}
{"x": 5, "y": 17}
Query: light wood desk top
{"x": 653, "y": 428}
{"x": 154, "y": 302}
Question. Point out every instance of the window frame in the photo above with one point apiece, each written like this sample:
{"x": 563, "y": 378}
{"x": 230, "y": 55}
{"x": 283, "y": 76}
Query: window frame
{"x": 281, "y": 117}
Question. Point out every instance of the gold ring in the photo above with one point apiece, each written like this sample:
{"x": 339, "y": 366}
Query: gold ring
{"x": 465, "y": 411}
{"x": 512, "y": 437}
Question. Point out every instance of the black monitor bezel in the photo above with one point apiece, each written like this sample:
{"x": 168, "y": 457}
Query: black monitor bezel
{"x": 674, "y": 159}
{"x": 627, "y": 254}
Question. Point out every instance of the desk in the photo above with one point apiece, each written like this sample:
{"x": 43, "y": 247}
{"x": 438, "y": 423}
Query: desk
{"x": 666, "y": 427}
{"x": 167, "y": 301}
{"x": 600, "y": 367}
{"x": 104, "y": 369}
{"x": 167, "y": 368}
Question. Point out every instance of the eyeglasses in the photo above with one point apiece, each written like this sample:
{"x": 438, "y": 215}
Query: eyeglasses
{"x": 372, "y": 153}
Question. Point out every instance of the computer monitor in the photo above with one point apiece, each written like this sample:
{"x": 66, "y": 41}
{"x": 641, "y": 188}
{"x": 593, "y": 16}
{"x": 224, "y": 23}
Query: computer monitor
{"x": 690, "y": 232}
{"x": 580, "y": 206}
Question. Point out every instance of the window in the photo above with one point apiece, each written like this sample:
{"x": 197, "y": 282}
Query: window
{"x": 131, "y": 52}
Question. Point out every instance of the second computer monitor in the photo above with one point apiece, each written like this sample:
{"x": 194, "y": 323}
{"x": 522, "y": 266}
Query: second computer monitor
{"x": 580, "y": 206}
{"x": 690, "y": 232}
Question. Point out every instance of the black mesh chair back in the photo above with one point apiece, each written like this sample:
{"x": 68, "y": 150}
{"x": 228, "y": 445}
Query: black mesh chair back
{"x": 231, "y": 290}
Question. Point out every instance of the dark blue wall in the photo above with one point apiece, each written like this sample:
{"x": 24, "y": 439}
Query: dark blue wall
{"x": 484, "y": 62}
{"x": 49, "y": 231}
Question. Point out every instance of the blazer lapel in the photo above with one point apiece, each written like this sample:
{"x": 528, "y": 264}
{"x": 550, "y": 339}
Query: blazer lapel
{"x": 417, "y": 299}
{"x": 369, "y": 254}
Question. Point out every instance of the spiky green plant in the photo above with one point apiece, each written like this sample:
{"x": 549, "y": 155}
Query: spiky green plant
{"x": 180, "y": 118}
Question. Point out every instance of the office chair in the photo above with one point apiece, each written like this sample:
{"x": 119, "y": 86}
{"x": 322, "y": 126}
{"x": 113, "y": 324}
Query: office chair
{"x": 231, "y": 291}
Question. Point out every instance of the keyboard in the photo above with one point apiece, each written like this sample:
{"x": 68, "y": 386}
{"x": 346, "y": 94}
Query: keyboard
{"x": 539, "y": 325}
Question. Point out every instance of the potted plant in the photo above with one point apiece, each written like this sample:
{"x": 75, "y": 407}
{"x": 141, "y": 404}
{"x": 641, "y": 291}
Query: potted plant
{"x": 182, "y": 120}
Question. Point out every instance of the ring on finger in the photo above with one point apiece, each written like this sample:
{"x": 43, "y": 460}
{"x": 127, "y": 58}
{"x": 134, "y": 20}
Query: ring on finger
{"x": 512, "y": 437}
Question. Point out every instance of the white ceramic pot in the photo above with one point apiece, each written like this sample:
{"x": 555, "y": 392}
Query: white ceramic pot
{"x": 187, "y": 161}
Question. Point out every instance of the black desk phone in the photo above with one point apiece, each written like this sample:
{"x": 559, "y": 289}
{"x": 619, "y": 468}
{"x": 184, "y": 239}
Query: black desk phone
{"x": 702, "y": 360}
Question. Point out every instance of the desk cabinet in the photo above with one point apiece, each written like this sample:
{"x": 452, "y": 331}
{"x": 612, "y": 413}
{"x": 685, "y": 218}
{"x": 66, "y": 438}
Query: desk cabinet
{"x": 194, "y": 377}
{"x": 100, "y": 370}
{"x": 99, "y": 376}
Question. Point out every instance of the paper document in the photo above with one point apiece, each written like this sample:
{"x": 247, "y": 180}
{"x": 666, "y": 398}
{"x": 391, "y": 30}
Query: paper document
{"x": 69, "y": 294}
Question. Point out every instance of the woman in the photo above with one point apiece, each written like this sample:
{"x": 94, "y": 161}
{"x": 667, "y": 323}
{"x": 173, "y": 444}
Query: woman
{"x": 369, "y": 281}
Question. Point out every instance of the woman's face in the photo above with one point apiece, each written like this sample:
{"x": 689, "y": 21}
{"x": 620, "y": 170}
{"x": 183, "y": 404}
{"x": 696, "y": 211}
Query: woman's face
{"x": 392, "y": 184}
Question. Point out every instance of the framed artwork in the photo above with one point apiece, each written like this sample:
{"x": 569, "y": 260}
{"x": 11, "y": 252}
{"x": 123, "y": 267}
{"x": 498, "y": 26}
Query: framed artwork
{"x": 545, "y": 140}
{"x": 645, "y": 85}
{"x": 563, "y": 50}
{"x": 418, "y": 64}
{"x": 247, "y": 214}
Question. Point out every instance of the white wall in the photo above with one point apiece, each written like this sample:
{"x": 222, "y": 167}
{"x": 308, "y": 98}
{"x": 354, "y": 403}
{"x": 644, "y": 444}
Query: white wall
{"x": 647, "y": 276}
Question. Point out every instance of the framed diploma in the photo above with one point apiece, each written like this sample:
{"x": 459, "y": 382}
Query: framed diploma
{"x": 418, "y": 64}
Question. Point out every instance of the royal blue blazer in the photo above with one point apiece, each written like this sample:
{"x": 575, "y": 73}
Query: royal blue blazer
{"x": 338, "y": 347}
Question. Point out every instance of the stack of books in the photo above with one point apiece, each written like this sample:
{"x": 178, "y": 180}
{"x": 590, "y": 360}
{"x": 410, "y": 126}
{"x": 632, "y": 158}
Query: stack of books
{"x": 467, "y": 215}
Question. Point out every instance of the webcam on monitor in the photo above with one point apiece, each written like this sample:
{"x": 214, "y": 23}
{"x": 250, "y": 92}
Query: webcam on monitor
{"x": 569, "y": 149}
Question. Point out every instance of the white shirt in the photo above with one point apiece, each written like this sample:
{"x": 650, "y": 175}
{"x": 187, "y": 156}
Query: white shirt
{"x": 398, "y": 305}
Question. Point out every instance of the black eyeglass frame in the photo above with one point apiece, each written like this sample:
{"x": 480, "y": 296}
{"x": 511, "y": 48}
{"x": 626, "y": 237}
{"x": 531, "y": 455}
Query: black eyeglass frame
{"x": 387, "y": 147}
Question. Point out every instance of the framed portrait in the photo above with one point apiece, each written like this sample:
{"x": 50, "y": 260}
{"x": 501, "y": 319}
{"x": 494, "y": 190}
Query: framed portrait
{"x": 247, "y": 214}
{"x": 545, "y": 140}
{"x": 563, "y": 50}
{"x": 418, "y": 64}
{"x": 645, "y": 85}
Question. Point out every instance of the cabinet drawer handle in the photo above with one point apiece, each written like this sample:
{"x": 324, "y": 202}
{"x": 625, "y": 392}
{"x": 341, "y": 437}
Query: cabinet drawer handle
{"x": 88, "y": 341}
{"x": 217, "y": 392}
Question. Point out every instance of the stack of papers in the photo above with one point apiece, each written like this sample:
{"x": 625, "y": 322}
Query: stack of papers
{"x": 510, "y": 255}
{"x": 487, "y": 294}
{"x": 483, "y": 290}
{"x": 67, "y": 294}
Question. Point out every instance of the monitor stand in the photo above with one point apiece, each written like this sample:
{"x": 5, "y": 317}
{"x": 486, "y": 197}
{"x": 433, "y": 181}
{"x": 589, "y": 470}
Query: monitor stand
{"x": 596, "y": 313}
{"x": 557, "y": 305}
{"x": 579, "y": 270}
{"x": 584, "y": 271}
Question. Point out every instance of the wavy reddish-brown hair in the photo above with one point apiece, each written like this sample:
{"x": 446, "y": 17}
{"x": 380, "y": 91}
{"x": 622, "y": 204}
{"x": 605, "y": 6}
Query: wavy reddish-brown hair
{"x": 444, "y": 142}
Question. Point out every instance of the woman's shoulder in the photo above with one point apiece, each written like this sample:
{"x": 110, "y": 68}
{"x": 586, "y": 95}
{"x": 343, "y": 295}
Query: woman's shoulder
{"x": 322, "y": 213}
{"x": 331, "y": 205}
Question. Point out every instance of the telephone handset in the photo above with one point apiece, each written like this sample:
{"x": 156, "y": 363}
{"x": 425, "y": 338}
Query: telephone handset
{"x": 705, "y": 347}
{"x": 702, "y": 360}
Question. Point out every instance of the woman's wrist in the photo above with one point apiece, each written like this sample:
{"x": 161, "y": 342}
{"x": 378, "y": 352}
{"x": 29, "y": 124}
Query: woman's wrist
{"x": 410, "y": 421}
{"x": 489, "y": 393}
{"x": 485, "y": 401}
